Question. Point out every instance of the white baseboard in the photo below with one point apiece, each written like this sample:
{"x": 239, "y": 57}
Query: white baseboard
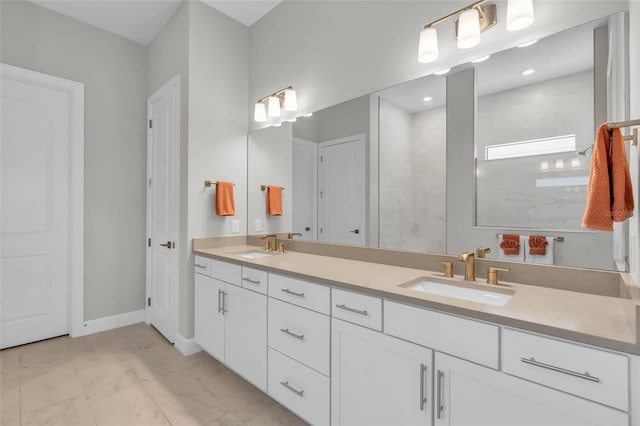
{"x": 111, "y": 322}
{"x": 186, "y": 346}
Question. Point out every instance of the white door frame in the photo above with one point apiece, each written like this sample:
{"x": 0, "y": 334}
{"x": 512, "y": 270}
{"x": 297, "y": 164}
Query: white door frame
{"x": 176, "y": 83}
{"x": 314, "y": 196}
{"x": 75, "y": 90}
{"x": 361, "y": 139}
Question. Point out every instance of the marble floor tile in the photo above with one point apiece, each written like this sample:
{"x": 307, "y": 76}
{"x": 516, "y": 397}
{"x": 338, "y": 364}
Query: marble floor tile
{"x": 9, "y": 390}
{"x": 226, "y": 420}
{"x": 72, "y": 412}
{"x": 128, "y": 405}
{"x": 10, "y": 417}
{"x": 48, "y": 386}
{"x": 277, "y": 416}
{"x": 9, "y": 361}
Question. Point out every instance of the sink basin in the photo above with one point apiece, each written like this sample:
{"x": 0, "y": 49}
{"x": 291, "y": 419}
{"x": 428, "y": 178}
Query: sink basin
{"x": 253, "y": 254}
{"x": 477, "y": 294}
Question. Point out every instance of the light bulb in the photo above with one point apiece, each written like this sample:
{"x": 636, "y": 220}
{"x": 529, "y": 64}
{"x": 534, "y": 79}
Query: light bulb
{"x": 519, "y": 14}
{"x": 290, "y": 100}
{"x": 428, "y": 45}
{"x": 274, "y": 106}
{"x": 260, "y": 114}
{"x": 469, "y": 29}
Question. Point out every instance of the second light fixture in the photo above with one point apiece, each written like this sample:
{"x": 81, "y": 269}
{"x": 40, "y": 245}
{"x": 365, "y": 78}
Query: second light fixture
{"x": 283, "y": 98}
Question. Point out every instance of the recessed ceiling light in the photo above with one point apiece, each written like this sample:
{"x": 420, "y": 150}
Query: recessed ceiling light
{"x": 528, "y": 72}
{"x": 482, "y": 59}
{"x": 442, "y": 72}
{"x": 529, "y": 43}
{"x": 427, "y": 99}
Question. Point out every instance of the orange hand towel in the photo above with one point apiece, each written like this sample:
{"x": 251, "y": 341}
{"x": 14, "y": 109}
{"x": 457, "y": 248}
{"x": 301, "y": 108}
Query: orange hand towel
{"x": 225, "y": 205}
{"x": 510, "y": 243}
{"x": 610, "y": 197}
{"x": 274, "y": 200}
{"x": 538, "y": 244}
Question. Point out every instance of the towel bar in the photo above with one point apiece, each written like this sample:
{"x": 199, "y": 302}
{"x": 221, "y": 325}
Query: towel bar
{"x": 264, "y": 187}
{"x": 628, "y": 123}
{"x": 210, "y": 183}
{"x": 556, "y": 239}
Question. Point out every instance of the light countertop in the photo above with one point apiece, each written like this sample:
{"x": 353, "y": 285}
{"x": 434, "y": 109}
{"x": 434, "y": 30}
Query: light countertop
{"x": 582, "y": 317}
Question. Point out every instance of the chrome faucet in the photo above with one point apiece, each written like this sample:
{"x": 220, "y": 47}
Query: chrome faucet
{"x": 271, "y": 245}
{"x": 469, "y": 265}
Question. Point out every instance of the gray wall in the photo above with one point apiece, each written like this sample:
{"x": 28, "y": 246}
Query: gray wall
{"x": 113, "y": 70}
{"x": 634, "y": 156}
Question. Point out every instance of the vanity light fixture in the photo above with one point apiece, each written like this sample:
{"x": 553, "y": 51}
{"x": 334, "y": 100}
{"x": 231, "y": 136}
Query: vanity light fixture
{"x": 442, "y": 72}
{"x": 471, "y": 21}
{"x": 481, "y": 59}
{"x": 282, "y": 98}
{"x": 527, "y": 44}
{"x": 528, "y": 71}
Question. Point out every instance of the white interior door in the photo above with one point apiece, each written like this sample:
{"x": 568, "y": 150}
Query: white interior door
{"x": 162, "y": 206}
{"x": 341, "y": 176}
{"x": 38, "y": 114}
{"x": 305, "y": 188}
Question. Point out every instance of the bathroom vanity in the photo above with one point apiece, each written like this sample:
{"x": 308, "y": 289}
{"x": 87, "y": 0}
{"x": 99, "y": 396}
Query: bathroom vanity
{"x": 341, "y": 341}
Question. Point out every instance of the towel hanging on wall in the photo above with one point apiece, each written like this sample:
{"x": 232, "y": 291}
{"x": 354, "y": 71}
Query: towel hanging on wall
{"x": 610, "y": 196}
{"x": 274, "y": 200}
{"x": 225, "y": 205}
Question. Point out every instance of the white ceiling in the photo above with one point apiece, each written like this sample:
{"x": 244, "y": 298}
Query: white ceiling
{"x": 141, "y": 20}
{"x": 558, "y": 55}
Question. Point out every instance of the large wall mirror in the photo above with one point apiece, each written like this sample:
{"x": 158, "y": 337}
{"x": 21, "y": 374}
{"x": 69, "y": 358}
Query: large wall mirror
{"x": 378, "y": 170}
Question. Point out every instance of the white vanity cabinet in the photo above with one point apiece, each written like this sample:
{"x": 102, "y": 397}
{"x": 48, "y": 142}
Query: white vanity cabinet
{"x": 230, "y": 321}
{"x": 468, "y": 394}
{"x": 377, "y": 379}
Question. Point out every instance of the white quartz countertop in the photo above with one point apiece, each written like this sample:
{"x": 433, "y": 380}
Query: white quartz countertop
{"x": 582, "y": 317}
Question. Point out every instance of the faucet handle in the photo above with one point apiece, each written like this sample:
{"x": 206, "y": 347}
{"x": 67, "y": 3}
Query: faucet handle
{"x": 492, "y": 274}
{"x": 481, "y": 252}
{"x": 448, "y": 269}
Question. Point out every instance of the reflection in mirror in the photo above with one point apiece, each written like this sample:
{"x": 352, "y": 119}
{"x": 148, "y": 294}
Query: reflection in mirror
{"x": 375, "y": 170}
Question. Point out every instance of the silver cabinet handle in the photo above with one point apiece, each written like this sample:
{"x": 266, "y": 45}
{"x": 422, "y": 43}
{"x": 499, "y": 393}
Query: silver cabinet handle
{"x": 357, "y": 311}
{"x": 286, "y": 290}
{"x": 286, "y": 384}
{"x": 423, "y": 396}
{"x": 251, "y": 281}
{"x": 219, "y": 300}
{"x": 197, "y": 265}
{"x": 292, "y": 334}
{"x": 224, "y": 302}
{"x": 585, "y": 376}
{"x": 439, "y": 402}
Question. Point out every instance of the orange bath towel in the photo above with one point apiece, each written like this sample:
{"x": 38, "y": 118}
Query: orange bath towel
{"x": 274, "y": 200}
{"x": 610, "y": 197}
{"x": 538, "y": 244}
{"x": 225, "y": 205}
{"x": 510, "y": 243}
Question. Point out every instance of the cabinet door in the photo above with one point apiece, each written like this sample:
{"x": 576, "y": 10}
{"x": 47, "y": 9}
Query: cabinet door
{"x": 209, "y": 315}
{"x": 246, "y": 334}
{"x": 378, "y": 379}
{"x": 468, "y": 394}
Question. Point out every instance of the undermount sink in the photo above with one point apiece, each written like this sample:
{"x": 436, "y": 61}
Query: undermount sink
{"x": 253, "y": 254}
{"x": 458, "y": 291}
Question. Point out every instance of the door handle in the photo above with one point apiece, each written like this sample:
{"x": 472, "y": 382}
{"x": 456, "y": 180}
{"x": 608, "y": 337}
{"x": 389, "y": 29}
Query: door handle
{"x": 167, "y": 244}
{"x": 355, "y": 231}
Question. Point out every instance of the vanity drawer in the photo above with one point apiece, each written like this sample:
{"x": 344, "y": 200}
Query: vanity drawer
{"x": 227, "y": 272}
{"x": 299, "y": 388}
{"x": 468, "y": 339}
{"x": 302, "y": 334}
{"x": 254, "y": 279}
{"x": 580, "y": 370}
{"x": 302, "y": 293}
{"x": 357, "y": 308}
{"x": 202, "y": 265}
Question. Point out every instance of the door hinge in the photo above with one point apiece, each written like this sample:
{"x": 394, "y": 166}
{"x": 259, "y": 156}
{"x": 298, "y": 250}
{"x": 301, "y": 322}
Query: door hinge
{"x": 321, "y": 230}
{"x": 320, "y": 194}
{"x": 148, "y": 301}
{"x": 321, "y": 158}
{"x": 149, "y": 242}
{"x": 149, "y": 182}
{"x": 150, "y": 124}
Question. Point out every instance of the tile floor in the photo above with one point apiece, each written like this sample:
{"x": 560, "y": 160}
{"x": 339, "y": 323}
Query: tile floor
{"x": 128, "y": 376}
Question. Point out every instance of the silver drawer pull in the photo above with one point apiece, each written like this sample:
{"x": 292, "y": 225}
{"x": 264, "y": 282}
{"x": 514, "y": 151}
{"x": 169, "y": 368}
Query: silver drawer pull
{"x": 200, "y": 266}
{"x": 286, "y": 384}
{"x": 439, "y": 396}
{"x": 423, "y": 395}
{"x": 357, "y": 311}
{"x": 286, "y": 290}
{"x": 585, "y": 376}
{"x": 251, "y": 281}
{"x": 292, "y": 334}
